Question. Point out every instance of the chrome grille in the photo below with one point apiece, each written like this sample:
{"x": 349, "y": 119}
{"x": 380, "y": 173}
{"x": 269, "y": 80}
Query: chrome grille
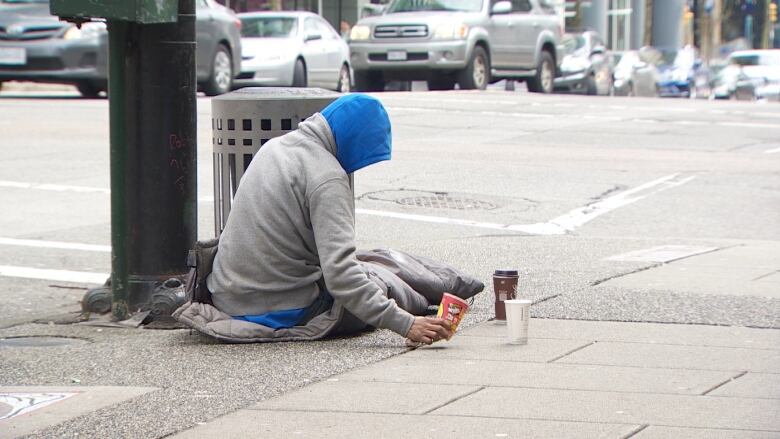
{"x": 31, "y": 33}
{"x": 401, "y": 31}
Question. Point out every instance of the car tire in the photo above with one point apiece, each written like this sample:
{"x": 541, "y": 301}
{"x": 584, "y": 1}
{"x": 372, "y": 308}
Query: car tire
{"x": 299, "y": 74}
{"x": 476, "y": 75}
{"x": 369, "y": 81}
{"x": 542, "y": 81}
{"x": 693, "y": 92}
{"x": 221, "y": 79}
{"x": 345, "y": 82}
{"x": 88, "y": 90}
{"x": 441, "y": 83}
{"x": 591, "y": 88}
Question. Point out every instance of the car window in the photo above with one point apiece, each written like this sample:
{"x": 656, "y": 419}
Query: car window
{"x": 547, "y": 6}
{"x": 435, "y": 5}
{"x": 268, "y": 27}
{"x": 745, "y": 60}
{"x": 310, "y": 27}
{"x": 326, "y": 30}
{"x": 521, "y": 6}
{"x": 573, "y": 42}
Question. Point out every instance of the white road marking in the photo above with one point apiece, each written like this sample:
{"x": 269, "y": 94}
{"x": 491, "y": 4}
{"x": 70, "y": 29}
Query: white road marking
{"x": 82, "y": 277}
{"x": 772, "y": 151}
{"x": 52, "y": 187}
{"x": 54, "y": 244}
{"x": 558, "y": 226}
{"x": 750, "y": 125}
{"x": 663, "y": 253}
{"x": 582, "y": 215}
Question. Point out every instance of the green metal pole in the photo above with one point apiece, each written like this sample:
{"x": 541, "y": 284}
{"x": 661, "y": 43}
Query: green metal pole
{"x": 117, "y": 40}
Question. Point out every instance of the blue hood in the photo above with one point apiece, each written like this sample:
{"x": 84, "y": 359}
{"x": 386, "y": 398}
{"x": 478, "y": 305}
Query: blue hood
{"x": 361, "y": 128}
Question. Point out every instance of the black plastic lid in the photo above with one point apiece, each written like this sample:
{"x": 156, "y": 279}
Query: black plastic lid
{"x": 505, "y": 272}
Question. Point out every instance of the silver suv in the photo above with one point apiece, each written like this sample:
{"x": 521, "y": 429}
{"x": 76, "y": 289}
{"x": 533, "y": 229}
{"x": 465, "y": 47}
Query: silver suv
{"x": 471, "y": 42}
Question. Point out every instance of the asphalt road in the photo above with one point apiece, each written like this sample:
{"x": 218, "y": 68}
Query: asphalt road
{"x": 560, "y": 187}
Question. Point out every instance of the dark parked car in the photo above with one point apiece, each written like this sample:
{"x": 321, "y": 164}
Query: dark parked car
{"x": 634, "y": 76}
{"x": 586, "y": 66}
{"x": 36, "y": 46}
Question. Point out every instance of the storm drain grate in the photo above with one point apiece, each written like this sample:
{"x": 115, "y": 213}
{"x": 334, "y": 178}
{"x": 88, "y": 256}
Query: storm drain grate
{"x": 446, "y": 202}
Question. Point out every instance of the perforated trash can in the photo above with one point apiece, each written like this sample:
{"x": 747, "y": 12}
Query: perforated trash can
{"x": 243, "y": 121}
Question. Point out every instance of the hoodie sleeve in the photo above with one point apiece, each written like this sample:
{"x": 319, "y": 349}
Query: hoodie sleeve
{"x": 333, "y": 222}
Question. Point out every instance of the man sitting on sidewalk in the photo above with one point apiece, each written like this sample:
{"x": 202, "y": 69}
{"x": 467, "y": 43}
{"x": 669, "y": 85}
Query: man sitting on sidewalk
{"x": 286, "y": 266}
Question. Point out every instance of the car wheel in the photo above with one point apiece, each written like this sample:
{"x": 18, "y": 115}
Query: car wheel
{"x": 344, "y": 85}
{"x": 369, "y": 81}
{"x": 476, "y": 75}
{"x": 542, "y": 82}
{"x": 441, "y": 83}
{"x": 591, "y": 88}
{"x": 299, "y": 74}
{"x": 88, "y": 90}
{"x": 221, "y": 78}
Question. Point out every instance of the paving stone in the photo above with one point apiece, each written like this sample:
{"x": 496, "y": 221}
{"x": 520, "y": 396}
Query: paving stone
{"x": 619, "y": 407}
{"x": 350, "y": 396}
{"x": 496, "y": 348}
{"x": 693, "y": 335}
{"x": 732, "y": 271}
{"x": 326, "y": 425}
{"x": 752, "y": 385}
{"x": 677, "y": 357}
{"x": 657, "y": 432}
{"x": 539, "y": 375}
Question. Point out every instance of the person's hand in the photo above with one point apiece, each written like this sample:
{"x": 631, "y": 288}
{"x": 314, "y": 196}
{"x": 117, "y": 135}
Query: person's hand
{"x": 427, "y": 330}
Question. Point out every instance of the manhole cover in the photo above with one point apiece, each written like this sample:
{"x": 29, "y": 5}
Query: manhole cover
{"x": 38, "y": 342}
{"x": 446, "y": 202}
{"x": 429, "y": 199}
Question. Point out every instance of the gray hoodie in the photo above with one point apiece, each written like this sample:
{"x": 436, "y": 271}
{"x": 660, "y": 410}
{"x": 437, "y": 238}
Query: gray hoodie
{"x": 292, "y": 223}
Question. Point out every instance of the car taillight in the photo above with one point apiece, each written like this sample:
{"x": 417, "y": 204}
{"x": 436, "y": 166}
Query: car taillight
{"x": 238, "y": 24}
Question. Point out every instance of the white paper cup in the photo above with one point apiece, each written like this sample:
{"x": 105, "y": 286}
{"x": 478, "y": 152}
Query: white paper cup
{"x": 518, "y": 315}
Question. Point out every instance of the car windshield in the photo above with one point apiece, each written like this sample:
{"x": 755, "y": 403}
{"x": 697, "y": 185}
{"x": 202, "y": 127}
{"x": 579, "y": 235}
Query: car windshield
{"x": 573, "y": 43}
{"x": 268, "y": 27}
{"x": 435, "y": 5}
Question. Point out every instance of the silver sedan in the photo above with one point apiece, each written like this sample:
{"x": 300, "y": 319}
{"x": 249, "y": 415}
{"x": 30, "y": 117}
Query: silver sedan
{"x": 297, "y": 49}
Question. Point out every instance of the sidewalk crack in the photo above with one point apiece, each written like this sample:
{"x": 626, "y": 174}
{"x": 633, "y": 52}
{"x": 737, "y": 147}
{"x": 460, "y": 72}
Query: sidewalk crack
{"x": 450, "y": 401}
{"x": 571, "y": 352}
{"x": 711, "y": 389}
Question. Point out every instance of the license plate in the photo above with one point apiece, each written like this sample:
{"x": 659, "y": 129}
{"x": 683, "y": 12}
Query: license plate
{"x": 16, "y": 56}
{"x": 396, "y": 55}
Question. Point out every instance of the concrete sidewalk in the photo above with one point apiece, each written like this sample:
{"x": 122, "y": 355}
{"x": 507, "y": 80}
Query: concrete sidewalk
{"x": 574, "y": 379}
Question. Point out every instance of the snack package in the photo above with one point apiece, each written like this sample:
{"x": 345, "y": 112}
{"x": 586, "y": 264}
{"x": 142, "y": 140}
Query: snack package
{"x": 453, "y": 309}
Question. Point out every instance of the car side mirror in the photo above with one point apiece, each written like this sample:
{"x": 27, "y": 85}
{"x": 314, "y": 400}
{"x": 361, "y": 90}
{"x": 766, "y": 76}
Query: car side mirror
{"x": 312, "y": 37}
{"x": 598, "y": 50}
{"x": 697, "y": 64}
{"x": 502, "y": 7}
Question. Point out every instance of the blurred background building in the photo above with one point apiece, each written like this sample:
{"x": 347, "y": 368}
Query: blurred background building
{"x": 716, "y": 27}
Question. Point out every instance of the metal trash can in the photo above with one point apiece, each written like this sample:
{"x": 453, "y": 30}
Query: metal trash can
{"x": 243, "y": 121}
